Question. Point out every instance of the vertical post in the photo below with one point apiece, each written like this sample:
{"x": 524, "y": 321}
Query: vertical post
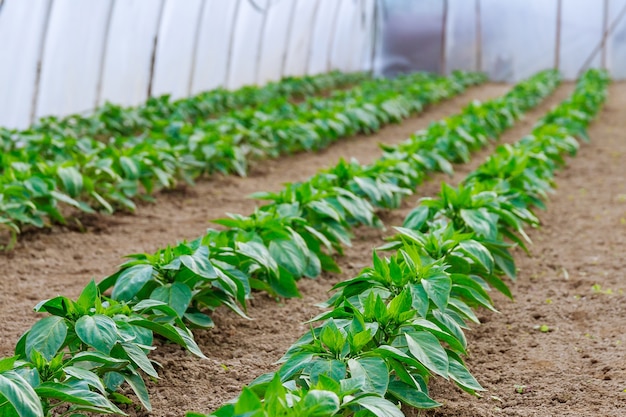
{"x": 294, "y": 4}
{"x": 42, "y": 46}
{"x": 479, "y": 38}
{"x": 154, "y": 48}
{"x": 375, "y": 34}
{"x": 105, "y": 44}
{"x": 313, "y": 26}
{"x": 231, "y": 41}
{"x": 333, "y": 33}
{"x": 557, "y": 43}
{"x": 605, "y": 27}
{"x": 194, "y": 50}
{"x": 444, "y": 25}
{"x": 259, "y": 48}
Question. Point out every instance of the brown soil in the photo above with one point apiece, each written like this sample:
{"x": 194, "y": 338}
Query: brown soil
{"x": 576, "y": 369}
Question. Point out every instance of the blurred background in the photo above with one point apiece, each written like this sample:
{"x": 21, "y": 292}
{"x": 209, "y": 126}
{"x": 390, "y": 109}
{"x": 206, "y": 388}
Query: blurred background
{"x": 60, "y": 57}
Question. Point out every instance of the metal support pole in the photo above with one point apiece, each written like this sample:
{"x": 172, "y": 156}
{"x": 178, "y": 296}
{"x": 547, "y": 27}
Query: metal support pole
{"x": 605, "y": 22}
{"x": 444, "y": 25}
{"x": 479, "y": 38}
{"x": 154, "y": 48}
{"x": 557, "y": 44}
{"x": 42, "y": 45}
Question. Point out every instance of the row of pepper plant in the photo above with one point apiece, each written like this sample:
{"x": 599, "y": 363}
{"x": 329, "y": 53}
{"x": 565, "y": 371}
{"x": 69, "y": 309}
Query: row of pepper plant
{"x": 41, "y": 171}
{"x": 402, "y": 321}
{"x": 116, "y": 120}
{"x": 86, "y": 348}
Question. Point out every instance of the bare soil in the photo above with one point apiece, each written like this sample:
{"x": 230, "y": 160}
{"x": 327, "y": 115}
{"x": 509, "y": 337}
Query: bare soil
{"x": 573, "y": 282}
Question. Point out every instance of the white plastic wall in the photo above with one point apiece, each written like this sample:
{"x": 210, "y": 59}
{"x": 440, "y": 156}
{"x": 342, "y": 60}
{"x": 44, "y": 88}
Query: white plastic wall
{"x": 21, "y": 30}
{"x": 273, "y": 49}
{"x": 323, "y": 35}
{"x": 616, "y": 47}
{"x": 213, "y": 44}
{"x": 519, "y": 38}
{"x": 129, "y": 51}
{"x": 346, "y": 35}
{"x": 72, "y": 56}
{"x": 581, "y": 33}
{"x": 302, "y": 37}
{"x": 411, "y": 36}
{"x": 66, "y": 56}
{"x": 368, "y": 36}
{"x": 176, "y": 41}
{"x": 461, "y": 45}
{"x": 247, "y": 35}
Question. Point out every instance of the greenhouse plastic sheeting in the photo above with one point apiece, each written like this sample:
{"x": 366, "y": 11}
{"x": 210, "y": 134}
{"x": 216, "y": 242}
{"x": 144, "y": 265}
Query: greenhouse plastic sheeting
{"x": 72, "y": 56}
{"x": 461, "y": 39}
{"x": 128, "y": 54}
{"x": 368, "y": 36}
{"x": 301, "y": 38}
{"x": 581, "y": 33}
{"x": 323, "y": 35}
{"x": 411, "y": 36}
{"x": 346, "y": 31}
{"x": 66, "y": 56}
{"x": 246, "y": 42}
{"x": 176, "y": 41}
{"x": 21, "y": 31}
{"x": 214, "y": 41}
{"x": 273, "y": 49}
{"x": 519, "y": 37}
{"x": 616, "y": 53}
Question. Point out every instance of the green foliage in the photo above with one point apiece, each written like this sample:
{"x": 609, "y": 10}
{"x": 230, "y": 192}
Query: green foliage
{"x": 107, "y": 161}
{"x": 401, "y": 321}
{"x": 390, "y": 329}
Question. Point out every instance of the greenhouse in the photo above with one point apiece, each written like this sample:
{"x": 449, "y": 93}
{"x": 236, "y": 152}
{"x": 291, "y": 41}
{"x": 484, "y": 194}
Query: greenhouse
{"x": 259, "y": 208}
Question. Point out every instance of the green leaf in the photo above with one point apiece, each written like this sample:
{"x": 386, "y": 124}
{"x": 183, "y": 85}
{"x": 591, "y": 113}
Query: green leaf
{"x": 259, "y": 253}
{"x": 372, "y": 371}
{"x": 139, "y": 357}
{"x": 460, "y": 375}
{"x": 247, "y": 402}
{"x": 379, "y": 406}
{"x": 199, "y": 263}
{"x": 130, "y": 168}
{"x": 97, "y": 331}
{"x": 20, "y": 395}
{"x": 438, "y": 289}
{"x": 7, "y": 363}
{"x": 416, "y": 218}
{"x": 130, "y": 281}
{"x": 84, "y": 375}
{"x": 288, "y": 255}
{"x": 139, "y": 388}
{"x": 46, "y": 337}
{"x": 411, "y": 396}
{"x": 481, "y": 221}
{"x": 320, "y": 403}
{"x": 72, "y": 180}
{"x": 176, "y": 295}
{"x": 332, "y": 368}
{"x": 80, "y": 397}
{"x": 426, "y": 348}
{"x": 88, "y": 297}
{"x": 478, "y": 253}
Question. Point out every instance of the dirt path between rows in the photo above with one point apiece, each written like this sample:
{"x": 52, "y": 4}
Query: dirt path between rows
{"x": 240, "y": 350}
{"x": 574, "y": 284}
{"x": 62, "y": 260}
